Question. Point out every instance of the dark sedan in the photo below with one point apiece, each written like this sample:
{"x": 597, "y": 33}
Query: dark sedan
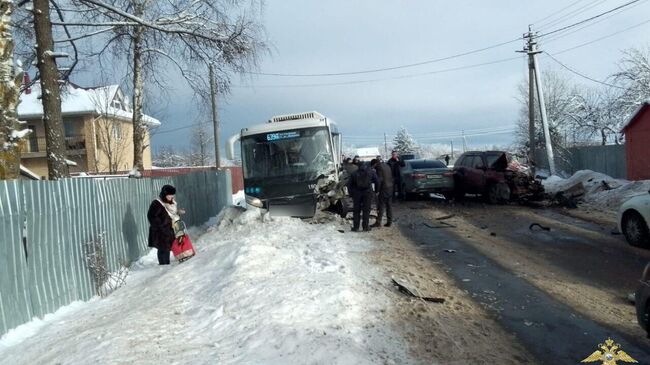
{"x": 426, "y": 176}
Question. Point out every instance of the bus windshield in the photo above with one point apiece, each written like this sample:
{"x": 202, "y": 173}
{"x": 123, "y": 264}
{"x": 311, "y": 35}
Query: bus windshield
{"x": 296, "y": 155}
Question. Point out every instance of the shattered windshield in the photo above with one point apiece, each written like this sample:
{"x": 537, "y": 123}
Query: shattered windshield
{"x": 299, "y": 154}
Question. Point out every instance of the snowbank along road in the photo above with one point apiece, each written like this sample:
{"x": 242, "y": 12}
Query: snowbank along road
{"x": 274, "y": 292}
{"x": 284, "y": 291}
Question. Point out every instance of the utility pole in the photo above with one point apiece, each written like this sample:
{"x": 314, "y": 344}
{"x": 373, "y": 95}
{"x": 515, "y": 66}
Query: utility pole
{"x": 542, "y": 109}
{"x": 385, "y": 146}
{"x": 452, "y": 148}
{"x": 215, "y": 116}
{"x": 532, "y": 52}
{"x": 531, "y": 98}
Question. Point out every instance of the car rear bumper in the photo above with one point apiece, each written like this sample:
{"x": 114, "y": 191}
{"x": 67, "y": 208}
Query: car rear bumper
{"x": 418, "y": 190}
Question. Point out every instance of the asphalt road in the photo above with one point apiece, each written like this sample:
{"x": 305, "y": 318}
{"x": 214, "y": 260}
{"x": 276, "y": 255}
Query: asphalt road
{"x": 475, "y": 246}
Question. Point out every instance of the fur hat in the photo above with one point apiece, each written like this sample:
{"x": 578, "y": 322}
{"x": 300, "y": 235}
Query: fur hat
{"x": 167, "y": 190}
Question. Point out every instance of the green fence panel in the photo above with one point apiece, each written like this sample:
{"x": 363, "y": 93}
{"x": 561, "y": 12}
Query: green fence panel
{"x": 47, "y": 269}
{"x": 15, "y": 302}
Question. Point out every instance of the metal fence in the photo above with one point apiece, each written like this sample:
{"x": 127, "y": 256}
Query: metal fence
{"x": 45, "y": 225}
{"x": 609, "y": 160}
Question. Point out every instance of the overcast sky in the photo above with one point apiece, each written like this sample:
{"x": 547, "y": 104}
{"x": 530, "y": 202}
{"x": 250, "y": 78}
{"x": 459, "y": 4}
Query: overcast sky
{"x": 337, "y": 36}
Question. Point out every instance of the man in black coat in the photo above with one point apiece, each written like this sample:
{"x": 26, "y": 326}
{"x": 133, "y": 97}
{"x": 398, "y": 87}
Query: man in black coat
{"x": 396, "y": 164}
{"x": 360, "y": 188}
{"x": 384, "y": 192}
{"x": 161, "y": 232}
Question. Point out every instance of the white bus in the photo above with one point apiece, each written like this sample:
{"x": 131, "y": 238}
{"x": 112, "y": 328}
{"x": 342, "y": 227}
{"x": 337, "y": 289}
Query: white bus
{"x": 291, "y": 164}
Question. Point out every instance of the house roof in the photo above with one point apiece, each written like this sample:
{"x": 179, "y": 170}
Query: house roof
{"x": 636, "y": 115}
{"x": 24, "y": 171}
{"x": 76, "y": 100}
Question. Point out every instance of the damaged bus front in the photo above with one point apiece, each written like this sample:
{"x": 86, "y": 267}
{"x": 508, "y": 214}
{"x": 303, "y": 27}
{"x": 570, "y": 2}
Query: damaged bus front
{"x": 291, "y": 164}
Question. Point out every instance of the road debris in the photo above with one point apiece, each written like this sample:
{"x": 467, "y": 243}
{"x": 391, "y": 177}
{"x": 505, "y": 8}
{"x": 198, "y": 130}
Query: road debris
{"x": 404, "y": 290}
{"x": 439, "y": 225}
{"x": 449, "y": 250}
{"x": 444, "y": 217}
{"x": 538, "y": 225}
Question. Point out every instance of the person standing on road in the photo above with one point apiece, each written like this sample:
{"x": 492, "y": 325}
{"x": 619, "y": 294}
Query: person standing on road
{"x": 396, "y": 165}
{"x": 349, "y": 166}
{"x": 161, "y": 214}
{"x": 384, "y": 192}
{"x": 447, "y": 160}
{"x": 360, "y": 188}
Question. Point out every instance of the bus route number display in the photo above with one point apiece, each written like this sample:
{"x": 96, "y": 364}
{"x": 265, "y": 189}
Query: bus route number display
{"x": 282, "y": 135}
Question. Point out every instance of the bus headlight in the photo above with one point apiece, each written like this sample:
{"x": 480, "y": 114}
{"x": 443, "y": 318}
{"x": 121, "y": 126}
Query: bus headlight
{"x": 256, "y": 202}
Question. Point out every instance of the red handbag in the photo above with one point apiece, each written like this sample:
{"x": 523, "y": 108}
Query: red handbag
{"x": 182, "y": 248}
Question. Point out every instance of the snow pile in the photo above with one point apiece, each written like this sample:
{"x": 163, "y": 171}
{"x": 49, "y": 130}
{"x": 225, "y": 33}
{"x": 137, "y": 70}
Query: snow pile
{"x": 601, "y": 191}
{"x": 239, "y": 199}
{"x": 259, "y": 291}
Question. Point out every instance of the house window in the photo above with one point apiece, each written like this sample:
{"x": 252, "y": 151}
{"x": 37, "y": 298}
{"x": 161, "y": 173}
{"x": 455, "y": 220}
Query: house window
{"x": 117, "y": 132}
{"x": 33, "y": 140}
{"x": 68, "y": 126}
{"x": 117, "y": 104}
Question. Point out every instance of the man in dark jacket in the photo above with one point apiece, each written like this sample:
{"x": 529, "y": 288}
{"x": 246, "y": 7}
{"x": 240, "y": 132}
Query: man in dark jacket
{"x": 384, "y": 192}
{"x": 161, "y": 232}
{"x": 396, "y": 165}
{"x": 360, "y": 188}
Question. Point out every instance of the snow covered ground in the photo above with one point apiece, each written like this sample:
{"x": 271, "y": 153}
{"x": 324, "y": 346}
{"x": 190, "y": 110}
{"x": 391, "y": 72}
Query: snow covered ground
{"x": 596, "y": 194}
{"x": 259, "y": 291}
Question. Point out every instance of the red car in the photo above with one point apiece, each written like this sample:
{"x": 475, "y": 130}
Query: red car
{"x": 496, "y": 176}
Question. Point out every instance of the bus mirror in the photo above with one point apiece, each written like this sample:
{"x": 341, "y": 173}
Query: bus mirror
{"x": 230, "y": 146}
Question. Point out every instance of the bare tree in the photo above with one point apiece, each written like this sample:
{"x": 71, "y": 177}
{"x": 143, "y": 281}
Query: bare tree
{"x": 168, "y": 157}
{"x": 187, "y": 34}
{"x": 202, "y": 145}
{"x": 11, "y": 131}
{"x": 51, "y": 94}
{"x": 559, "y": 94}
{"x": 595, "y": 113}
{"x": 634, "y": 78}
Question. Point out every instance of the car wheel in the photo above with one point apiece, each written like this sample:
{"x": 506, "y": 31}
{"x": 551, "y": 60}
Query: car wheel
{"x": 646, "y": 319}
{"x": 498, "y": 193}
{"x": 635, "y": 229}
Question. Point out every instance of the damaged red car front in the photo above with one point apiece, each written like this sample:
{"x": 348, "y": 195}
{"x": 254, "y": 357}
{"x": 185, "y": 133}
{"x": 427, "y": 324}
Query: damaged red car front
{"x": 497, "y": 176}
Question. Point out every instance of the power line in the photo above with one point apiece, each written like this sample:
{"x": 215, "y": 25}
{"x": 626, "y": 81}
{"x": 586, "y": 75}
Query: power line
{"x": 179, "y": 128}
{"x": 563, "y": 35}
{"x": 580, "y": 74}
{"x": 603, "y": 37}
{"x": 386, "y": 78}
{"x": 557, "y": 12}
{"x": 589, "y": 19}
{"x": 438, "y": 138}
{"x": 572, "y": 14}
{"x": 440, "y": 134}
{"x": 462, "y": 54}
{"x": 390, "y": 68}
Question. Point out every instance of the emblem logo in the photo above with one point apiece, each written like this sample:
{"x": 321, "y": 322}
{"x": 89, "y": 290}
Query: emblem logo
{"x": 609, "y": 353}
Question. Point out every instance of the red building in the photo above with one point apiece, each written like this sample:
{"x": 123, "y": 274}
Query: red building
{"x": 637, "y": 144}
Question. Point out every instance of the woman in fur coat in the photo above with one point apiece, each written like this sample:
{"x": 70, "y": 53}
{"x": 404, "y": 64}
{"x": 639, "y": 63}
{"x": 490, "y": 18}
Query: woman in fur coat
{"x": 162, "y": 212}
